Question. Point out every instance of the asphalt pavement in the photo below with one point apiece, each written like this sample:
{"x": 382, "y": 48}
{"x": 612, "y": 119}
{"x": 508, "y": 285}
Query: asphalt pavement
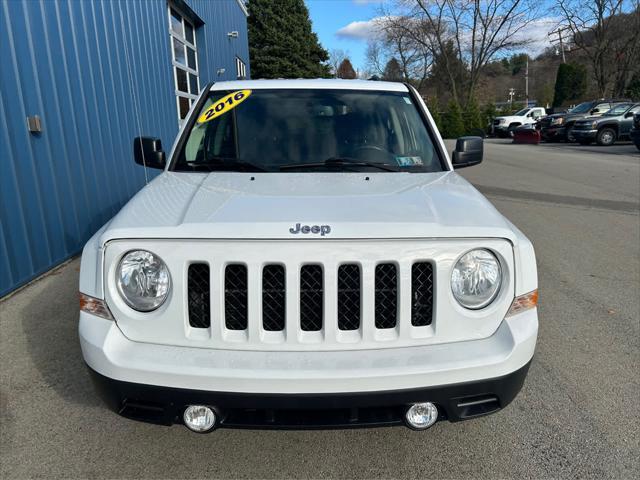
{"x": 577, "y": 415}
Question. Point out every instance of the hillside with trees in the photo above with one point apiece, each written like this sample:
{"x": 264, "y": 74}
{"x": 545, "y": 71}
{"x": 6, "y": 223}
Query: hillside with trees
{"x": 466, "y": 56}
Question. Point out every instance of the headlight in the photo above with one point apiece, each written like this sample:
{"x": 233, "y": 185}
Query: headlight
{"x": 476, "y": 278}
{"x": 143, "y": 280}
{"x": 557, "y": 121}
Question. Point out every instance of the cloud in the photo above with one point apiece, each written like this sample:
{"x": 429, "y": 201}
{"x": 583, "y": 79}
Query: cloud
{"x": 537, "y": 31}
{"x": 361, "y": 30}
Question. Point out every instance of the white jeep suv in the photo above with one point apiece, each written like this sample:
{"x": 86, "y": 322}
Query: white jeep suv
{"x": 308, "y": 258}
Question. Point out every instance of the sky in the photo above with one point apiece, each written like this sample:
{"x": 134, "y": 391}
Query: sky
{"x": 347, "y": 24}
{"x": 333, "y": 21}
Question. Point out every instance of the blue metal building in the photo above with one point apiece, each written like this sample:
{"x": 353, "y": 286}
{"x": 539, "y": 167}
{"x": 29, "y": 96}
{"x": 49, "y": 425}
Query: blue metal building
{"x": 79, "y": 79}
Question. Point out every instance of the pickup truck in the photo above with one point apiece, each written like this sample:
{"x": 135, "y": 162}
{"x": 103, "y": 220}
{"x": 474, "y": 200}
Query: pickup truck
{"x": 559, "y": 126}
{"x": 503, "y": 126}
{"x": 308, "y": 257}
{"x": 606, "y": 129}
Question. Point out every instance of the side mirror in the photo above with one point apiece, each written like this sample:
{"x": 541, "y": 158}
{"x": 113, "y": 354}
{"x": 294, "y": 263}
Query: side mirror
{"x": 595, "y": 110}
{"x": 147, "y": 151}
{"x": 468, "y": 152}
{"x": 628, "y": 115}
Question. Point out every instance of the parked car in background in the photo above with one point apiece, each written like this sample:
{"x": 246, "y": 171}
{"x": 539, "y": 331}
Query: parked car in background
{"x": 635, "y": 131}
{"x": 611, "y": 126}
{"x": 504, "y": 125}
{"x": 558, "y": 127}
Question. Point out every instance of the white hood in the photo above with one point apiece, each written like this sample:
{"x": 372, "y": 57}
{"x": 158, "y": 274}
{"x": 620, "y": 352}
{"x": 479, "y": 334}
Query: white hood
{"x": 266, "y": 205}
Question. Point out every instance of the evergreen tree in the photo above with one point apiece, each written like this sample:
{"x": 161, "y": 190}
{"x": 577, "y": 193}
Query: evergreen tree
{"x": 488, "y": 114}
{"x": 633, "y": 89}
{"x": 571, "y": 83}
{"x": 392, "y": 71}
{"x": 434, "y": 110}
{"x": 472, "y": 117}
{"x": 345, "y": 70}
{"x": 453, "y": 124}
{"x": 282, "y": 43}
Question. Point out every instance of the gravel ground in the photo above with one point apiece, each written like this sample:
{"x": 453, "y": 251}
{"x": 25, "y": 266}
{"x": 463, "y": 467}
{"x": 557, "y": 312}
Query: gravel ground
{"x": 577, "y": 415}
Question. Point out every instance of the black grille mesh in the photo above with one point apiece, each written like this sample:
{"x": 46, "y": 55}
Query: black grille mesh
{"x": 273, "y": 298}
{"x": 386, "y": 295}
{"x": 421, "y": 294}
{"x": 235, "y": 297}
{"x": 199, "y": 295}
{"x": 311, "y": 298}
{"x": 349, "y": 297}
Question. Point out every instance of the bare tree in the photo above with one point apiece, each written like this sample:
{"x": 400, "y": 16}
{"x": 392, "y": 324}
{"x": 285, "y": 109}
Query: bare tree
{"x": 397, "y": 38}
{"x": 336, "y": 57}
{"x": 608, "y": 33}
{"x": 478, "y": 29}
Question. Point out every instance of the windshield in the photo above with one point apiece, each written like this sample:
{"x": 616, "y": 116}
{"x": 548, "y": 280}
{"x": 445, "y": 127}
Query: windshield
{"x": 521, "y": 113}
{"x": 617, "y": 110}
{"x": 274, "y": 130}
{"x": 582, "y": 108}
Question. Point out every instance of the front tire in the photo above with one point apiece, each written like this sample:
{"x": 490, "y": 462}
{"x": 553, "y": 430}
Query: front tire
{"x": 569, "y": 138}
{"x": 606, "y": 137}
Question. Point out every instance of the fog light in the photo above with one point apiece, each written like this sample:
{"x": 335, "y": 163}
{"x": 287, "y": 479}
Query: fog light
{"x": 421, "y": 415}
{"x": 199, "y": 418}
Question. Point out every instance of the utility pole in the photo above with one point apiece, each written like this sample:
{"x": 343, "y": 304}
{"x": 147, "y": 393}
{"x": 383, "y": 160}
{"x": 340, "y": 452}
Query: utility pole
{"x": 526, "y": 83}
{"x": 559, "y": 32}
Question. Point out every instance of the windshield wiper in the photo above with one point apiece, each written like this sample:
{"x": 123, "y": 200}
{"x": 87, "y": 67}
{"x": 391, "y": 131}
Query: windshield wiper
{"x": 339, "y": 162}
{"x": 225, "y": 164}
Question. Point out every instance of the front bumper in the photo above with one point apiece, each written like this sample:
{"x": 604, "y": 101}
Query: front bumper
{"x": 553, "y": 133}
{"x": 584, "y": 134}
{"x": 308, "y": 389}
{"x": 501, "y": 129}
{"x": 165, "y": 405}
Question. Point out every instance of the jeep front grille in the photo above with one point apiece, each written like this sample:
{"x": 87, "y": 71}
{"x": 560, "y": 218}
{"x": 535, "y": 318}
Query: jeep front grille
{"x": 318, "y": 286}
{"x": 311, "y": 298}
{"x": 349, "y": 297}
{"x": 421, "y": 294}
{"x": 386, "y": 295}
{"x": 199, "y": 294}
{"x": 235, "y": 297}
{"x": 273, "y": 298}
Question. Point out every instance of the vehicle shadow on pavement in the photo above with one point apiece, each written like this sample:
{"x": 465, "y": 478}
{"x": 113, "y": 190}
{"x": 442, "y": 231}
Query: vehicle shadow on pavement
{"x": 50, "y": 324}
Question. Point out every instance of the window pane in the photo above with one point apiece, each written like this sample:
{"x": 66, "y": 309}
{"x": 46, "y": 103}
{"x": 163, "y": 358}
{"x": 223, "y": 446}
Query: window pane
{"x": 188, "y": 32}
{"x": 193, "y": 84}
{"x": 176, "y": 23}
{"x": 178, "y": 52}
{"x": 191, "y": 58}
{"x": 181, "y": 76}
{"x": 184, "y": 107}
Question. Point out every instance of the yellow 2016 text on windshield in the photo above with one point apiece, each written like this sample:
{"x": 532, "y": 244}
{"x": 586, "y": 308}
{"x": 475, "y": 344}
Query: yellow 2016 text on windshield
{"x": 223, "y": 105}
